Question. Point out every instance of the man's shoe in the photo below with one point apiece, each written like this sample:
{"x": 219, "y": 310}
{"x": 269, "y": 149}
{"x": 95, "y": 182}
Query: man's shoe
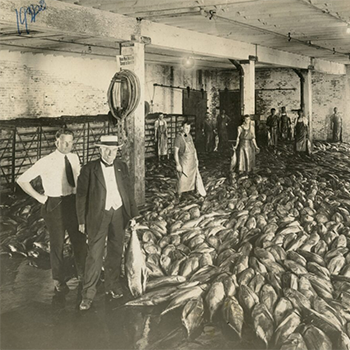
{"x": 61, "y": 288}
{"x": 85, "y": 305}
{"x": 115, "y": 295}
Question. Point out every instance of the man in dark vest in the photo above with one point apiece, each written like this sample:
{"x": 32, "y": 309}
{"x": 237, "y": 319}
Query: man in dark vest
{"x": 105, "y": 204}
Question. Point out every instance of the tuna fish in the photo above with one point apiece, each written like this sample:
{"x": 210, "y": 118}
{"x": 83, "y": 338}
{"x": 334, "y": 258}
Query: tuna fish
{"x": 233, "y": 316}
{"x": 163, "y": 281}
{"x": 282, "y": 309}
{"x": 315, "y": 339}
{"x": 215, "y": 298}
{"x": 182, "y": 296}
{"x": 193, "y": 315}
{"x": 135, "y": 266}
{"x": 263, "y": 323}
{"x": 286, "y": 328}
{"x": 294, "y": 342}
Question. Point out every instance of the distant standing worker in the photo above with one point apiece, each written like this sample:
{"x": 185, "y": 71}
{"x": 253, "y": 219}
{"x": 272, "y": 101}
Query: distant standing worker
{"x": 272, "y": 124}
{"x": 105, "y": 204}
{"x": 185, "y": 155}
{"x": 246, "y": 146}
{"x": 336, "y": 126}
{"x": 285, "y": 125}
{"x": 208, "y": 131}
{"x": 59, "y": 171}
{"x": 161, "y": 136}
{"x": 223, "y": 121}
{"x": 301, "y": 133}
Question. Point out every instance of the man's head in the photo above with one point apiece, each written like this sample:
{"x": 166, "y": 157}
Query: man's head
{"x": 186, "y": 127}
{"x": 335, "y": 109}
{"x": 207, "y": 115}
{"x": 161, "y": 116}
{"x": 109, "y": 147}
{"x": 283, "y": 109}
{"x": 246, "y": 117}
{"x": 64, "y": 140}
{"x": 273, "y": 111}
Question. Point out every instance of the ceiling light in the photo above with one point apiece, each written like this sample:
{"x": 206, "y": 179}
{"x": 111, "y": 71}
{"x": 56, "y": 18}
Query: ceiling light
{"x": 187, "y": 62}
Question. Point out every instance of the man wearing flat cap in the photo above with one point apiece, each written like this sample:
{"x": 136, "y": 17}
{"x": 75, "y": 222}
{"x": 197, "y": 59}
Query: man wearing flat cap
{"x": 105, "y": 204}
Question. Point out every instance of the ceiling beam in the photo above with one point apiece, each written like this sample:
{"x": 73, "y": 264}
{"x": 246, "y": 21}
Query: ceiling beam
{"x": 67, "y": 19}
{"x": 191, "y": 42}
{"x": 64, "y": 18}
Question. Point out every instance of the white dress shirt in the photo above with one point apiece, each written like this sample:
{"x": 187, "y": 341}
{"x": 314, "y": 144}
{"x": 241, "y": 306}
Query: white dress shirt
{"x": 113, "y": 198}
{"x": 52, "y": 170}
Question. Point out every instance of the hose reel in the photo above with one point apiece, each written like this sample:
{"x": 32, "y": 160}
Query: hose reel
{"x": 123, "y": 94}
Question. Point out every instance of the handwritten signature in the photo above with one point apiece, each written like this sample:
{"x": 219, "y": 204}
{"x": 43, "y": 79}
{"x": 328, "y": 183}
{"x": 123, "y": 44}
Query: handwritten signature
{"x": 32, "y": 11}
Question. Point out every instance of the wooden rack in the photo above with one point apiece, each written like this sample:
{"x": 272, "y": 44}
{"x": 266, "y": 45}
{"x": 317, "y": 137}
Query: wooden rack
{"x": 24, "y": 141}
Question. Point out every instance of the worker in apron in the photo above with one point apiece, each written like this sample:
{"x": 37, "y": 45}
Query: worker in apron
{"x": 161, "y": 137}
{"x": 185, "y": 154}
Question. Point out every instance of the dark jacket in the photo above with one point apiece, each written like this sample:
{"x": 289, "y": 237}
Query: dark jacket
{"x": 91, "y": 194}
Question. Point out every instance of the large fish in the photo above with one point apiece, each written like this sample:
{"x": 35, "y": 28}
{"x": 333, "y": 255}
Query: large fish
{"x": 282, "y": 309}
{"x": 286, "y": 328}
{"x": 268, "y": 297}
{"x": 135, "y": 266}
{"x": 233, "y": 315}
{"x": 215, "y": 298}
{"x": 163, "y": 281}
{"x": 182, "y": 296}
{"x": 193, "y": 315}
{"x": 247, "y": 298}
{"x": 294, "y": 342}
{"x": 149, "y": 297}
{"x": 315, "y": 339}
{"x": 263, "y": 323}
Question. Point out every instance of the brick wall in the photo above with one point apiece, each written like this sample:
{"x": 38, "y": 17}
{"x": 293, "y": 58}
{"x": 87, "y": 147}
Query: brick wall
{"x": 328, "y": 92}
{"x": 275, "y": 87}
{"x": 37, "y": 85}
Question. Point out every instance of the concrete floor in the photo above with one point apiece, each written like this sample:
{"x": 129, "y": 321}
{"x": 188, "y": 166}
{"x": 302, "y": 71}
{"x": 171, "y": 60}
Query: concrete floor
{"x": 33, "y": 317}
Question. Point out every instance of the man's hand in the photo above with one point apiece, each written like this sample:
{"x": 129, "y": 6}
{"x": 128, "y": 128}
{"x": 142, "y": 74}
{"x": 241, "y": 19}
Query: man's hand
{"x": 42, "y": 199}
{"x": 179, "y": 168}
{"x": 82, "y": 228}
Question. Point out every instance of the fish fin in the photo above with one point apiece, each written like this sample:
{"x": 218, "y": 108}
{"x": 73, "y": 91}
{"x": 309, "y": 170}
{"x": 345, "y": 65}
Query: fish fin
{"x": 143, "y": 279}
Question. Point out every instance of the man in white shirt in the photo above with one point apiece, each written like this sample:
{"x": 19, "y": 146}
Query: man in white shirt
{"x": 105, "y": 204}
{"x": 59, "y": 172}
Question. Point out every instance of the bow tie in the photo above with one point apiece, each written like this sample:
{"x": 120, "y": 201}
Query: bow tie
{"x": 106, "y": 164}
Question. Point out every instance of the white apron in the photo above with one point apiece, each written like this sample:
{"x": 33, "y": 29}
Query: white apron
{"x": 190, "y": 177}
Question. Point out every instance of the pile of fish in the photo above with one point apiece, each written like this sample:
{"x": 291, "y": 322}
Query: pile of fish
{"x": 23, "y": 230}
{"x": 268, "y": 252}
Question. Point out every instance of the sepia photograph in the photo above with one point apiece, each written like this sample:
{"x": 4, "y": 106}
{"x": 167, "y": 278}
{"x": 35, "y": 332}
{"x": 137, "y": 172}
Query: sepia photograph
{"x": 174, "y": 175}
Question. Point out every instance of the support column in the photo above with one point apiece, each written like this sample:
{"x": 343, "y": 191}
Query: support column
{"x": 307, "y": 99}
{"x": 248, "y": 93}
{"x": 246, "y": 71}
{"x": 135, "y": 123}
{"x": 346, "y": 113}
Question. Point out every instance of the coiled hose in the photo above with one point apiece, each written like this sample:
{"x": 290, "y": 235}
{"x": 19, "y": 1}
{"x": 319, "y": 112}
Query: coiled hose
{"x": 123, "y": 94}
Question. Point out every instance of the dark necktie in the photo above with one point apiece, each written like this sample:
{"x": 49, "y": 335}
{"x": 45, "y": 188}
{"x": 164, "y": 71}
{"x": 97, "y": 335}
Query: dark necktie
{"x": 69, "y": 172}
{"x": 106, "y": 164}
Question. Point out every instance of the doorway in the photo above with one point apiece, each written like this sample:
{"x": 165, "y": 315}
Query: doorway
{"x": 195, "y": 103}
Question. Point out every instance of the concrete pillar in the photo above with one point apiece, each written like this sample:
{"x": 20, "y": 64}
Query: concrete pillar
{"x": 248, "y": 88}
{"x": 346, "y": 112}
{"x": 307, "y": 98}
{"x": 135, "y": 123}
